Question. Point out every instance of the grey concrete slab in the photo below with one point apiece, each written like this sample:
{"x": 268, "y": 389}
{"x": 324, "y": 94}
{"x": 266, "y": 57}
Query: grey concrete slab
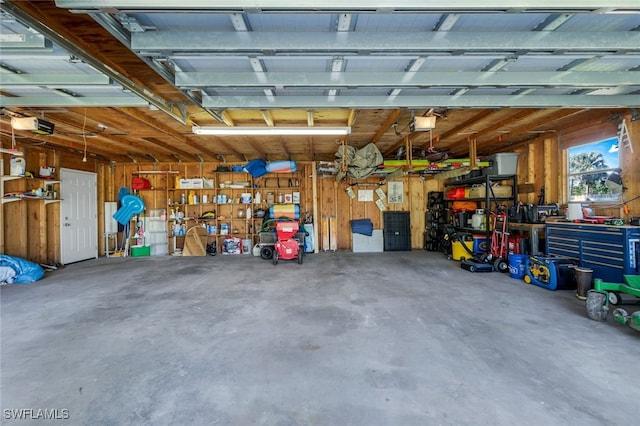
{"x": 395, "y": 338}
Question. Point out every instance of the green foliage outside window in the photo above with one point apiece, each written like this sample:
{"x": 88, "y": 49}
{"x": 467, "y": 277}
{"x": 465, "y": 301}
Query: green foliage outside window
{"x": 589, "y": 165}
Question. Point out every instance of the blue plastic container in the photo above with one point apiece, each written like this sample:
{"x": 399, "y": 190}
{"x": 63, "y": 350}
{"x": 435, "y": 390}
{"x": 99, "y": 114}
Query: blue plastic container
{"x": 517, "y": 265}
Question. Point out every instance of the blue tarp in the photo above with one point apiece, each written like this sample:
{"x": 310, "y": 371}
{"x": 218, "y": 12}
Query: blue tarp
{"x": 362, "y": 226}
{"x": 25, "y": 271}
{"x": 256, "y": 168}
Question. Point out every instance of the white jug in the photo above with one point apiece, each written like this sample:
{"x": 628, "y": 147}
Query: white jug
{"x": 17, "y": 166}
{"x": 477, "y": 220}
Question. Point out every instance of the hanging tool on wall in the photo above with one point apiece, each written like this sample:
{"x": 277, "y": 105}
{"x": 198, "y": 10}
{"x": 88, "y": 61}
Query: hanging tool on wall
{"x": 541, "y": 197}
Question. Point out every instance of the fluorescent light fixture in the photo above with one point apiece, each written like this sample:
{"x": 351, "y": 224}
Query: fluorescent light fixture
{"x": 269, "y": 131}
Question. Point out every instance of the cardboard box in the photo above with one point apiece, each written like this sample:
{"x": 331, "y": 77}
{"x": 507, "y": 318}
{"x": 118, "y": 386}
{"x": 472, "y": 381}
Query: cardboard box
{"x": 184, "y": 184}
{"x": 197, "y": 183}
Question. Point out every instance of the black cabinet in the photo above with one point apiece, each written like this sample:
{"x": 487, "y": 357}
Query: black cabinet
{"x": 435, "y": 218}
{"x": 397, "y": 231}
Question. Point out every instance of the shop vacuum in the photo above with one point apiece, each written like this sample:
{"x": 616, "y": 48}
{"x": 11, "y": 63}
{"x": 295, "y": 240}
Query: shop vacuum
{"x": 474, "y": 263}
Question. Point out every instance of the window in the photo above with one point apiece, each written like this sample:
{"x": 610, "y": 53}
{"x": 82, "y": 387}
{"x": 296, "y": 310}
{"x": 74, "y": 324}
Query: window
{"x": 589, "y": 165}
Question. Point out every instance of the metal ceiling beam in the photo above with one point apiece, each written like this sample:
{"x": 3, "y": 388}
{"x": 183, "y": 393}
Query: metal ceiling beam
{"x": 144, "y": 93}
{"x": 409, "y": 79}
{"x": 339, "y": 5}
{"x": 70, "y": 101}
{"x": 468, "y": 101}
{"x": 11, "y": 79}
{"x": 26, "y": 42}
{"x": 333, "y": 43}
{"x": 115, "y": 29}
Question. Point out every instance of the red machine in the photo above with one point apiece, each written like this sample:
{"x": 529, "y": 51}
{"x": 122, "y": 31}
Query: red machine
{"x": 286, "y": 246}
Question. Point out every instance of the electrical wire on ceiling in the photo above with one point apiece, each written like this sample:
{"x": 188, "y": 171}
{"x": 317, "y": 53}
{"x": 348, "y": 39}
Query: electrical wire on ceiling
{"x": 399, "y": 132}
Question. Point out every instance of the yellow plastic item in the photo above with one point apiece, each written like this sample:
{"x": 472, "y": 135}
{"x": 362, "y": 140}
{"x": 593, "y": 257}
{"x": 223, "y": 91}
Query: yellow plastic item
{"x": 458, "y": 252}
{"x": 192, "y": 197}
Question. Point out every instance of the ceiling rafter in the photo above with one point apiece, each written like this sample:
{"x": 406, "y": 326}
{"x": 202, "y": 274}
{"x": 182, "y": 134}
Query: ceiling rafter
{"x": 388, "y": 122}
{"x": 143, "y": 146}
{"x": 59, "y": 142}
{"x": 587, "y": 119}
{"x": 268, "y": 118}
{"x": 310, "y": 148}
{"x": 81, "y": 133}
{"x": 518, "y": 115}
{"x": 144, "y": 119}
{"x": 480, "y": 115}
{"x": 172, "y": 149}
{"x": 261, "y": 153}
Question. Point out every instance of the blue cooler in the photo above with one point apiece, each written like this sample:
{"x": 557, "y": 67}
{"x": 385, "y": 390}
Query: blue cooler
{"x": 480, "y": 244}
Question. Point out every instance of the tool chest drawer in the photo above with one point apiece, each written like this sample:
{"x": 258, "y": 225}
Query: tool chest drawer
{"x": 610, "y": 251}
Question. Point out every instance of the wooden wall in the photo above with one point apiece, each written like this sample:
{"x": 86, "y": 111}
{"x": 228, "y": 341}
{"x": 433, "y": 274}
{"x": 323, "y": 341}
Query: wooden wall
{"x": 630, "y": 162}
{"x": 541, "y": 163}
{"x": 30, "y": 229}
{"x": 336, "y": 202}
{"x": 332, "y": 198}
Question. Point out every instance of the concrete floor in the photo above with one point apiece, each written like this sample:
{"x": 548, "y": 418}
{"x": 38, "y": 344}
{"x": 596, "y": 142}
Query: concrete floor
{"x": 396, "y": 338}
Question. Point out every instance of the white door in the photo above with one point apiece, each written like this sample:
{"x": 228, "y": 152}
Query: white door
{"x": 78, "y": 216}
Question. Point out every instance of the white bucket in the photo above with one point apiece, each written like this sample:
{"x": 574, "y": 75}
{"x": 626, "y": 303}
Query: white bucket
{"x": 574, "y": 211}
{"x": 246, "y": 246}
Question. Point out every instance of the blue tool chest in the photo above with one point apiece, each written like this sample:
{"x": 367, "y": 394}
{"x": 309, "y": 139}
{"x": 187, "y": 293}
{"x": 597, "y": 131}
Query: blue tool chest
{"x": 610, "y": 251}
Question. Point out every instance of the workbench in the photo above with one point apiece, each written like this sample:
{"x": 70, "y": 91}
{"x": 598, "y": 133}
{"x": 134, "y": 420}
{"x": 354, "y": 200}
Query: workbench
{"x": 534, "y": 234}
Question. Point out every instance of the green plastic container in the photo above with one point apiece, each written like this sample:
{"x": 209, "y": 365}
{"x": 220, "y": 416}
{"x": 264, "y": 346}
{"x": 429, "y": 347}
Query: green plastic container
{"x": 137, "y": 251}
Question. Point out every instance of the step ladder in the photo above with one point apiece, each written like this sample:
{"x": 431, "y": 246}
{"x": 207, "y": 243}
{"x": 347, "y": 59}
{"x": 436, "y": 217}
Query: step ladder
{"x": 624, "y": 139}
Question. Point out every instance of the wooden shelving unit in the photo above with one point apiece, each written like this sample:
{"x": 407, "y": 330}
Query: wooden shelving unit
{"x": 231, "y": 194}
{"x": 28, "y": 225}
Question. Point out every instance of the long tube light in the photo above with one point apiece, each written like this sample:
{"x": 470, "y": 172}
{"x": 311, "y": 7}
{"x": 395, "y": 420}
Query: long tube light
{"x": 269, "y": 131}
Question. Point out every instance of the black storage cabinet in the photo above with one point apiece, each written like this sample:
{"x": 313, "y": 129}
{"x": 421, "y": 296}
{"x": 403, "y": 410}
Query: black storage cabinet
{"x": 397, "y": 231}
{"x": 434, "y": 218}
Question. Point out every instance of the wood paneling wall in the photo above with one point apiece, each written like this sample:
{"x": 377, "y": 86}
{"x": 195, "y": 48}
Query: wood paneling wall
{"x": 31, "y": 228}
{"x": 541, "y": 163}
{"x": 631, "y": 169}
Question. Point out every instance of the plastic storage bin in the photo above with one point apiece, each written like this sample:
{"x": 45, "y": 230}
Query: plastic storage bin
{"x": 137, "y": 251}
{"x": 505, "y": 163}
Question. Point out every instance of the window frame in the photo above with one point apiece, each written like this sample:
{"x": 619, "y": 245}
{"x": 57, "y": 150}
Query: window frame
{"x": 587, "y": 198}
